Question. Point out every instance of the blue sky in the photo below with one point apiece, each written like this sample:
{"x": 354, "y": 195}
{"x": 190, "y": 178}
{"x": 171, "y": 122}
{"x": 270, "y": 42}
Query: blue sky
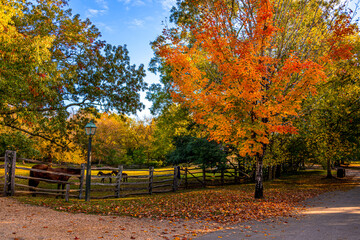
{"x": 132, "y": 22}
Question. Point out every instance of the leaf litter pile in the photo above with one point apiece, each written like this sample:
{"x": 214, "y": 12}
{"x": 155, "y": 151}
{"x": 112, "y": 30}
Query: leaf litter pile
{"x": 225, "y": 205}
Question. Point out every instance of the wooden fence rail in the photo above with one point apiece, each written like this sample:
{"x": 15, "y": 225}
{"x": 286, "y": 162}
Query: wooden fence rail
{"x": 127, "y": 181}
{"x": 29, "y": 160}
{"x": 210, "y": 177}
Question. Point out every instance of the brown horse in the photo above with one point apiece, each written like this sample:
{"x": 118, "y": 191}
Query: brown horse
{"x": 105, "y": 175}
{"x": 124, "y": 175}
{"x": 51, "y": 176}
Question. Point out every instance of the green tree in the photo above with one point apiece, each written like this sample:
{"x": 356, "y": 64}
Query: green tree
{"x": 174, "y": 121}
{"x": 333, "y": 117}
{"x": 200, "y": 151}
{"x": 51, "y": 62}
{"x": 19, "y": 142}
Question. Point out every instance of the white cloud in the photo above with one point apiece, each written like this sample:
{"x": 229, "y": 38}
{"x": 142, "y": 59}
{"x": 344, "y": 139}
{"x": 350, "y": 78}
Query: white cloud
{"x": 133, "y": 2}
{"x": 137, "y": 23}
{"x": 105, "y": 27}
{"x": 103, "y": 4}
{"x": 125, "y": 1}
{"x": 168, "y": 4}
{"x": 95, "y": 12}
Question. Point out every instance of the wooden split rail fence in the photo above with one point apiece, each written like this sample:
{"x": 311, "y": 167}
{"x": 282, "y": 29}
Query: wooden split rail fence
{"x": 138, "y": 182}
{"x": 200, "y": 177}
{"x": 124, "y": 183}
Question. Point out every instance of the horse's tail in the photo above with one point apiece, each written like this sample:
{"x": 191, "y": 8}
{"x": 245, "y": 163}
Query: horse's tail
{"x": 33, "y": 182}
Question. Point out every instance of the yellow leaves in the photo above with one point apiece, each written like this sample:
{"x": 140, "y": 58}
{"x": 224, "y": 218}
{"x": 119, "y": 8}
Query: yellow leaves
{"x": 15, "y": 45}
{"x": 9, "y": 9}
{"x": 41, "y": 46}
{"x": 74, "y": 153}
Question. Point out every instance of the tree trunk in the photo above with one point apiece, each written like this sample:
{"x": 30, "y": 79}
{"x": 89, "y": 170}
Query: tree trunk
{"x": 329, "y": 175}
{"x": 259, "y": 188}
{"x": 278, "y": 171}
{"x": 328, "y": 156}
{"x": 270, "y": 170}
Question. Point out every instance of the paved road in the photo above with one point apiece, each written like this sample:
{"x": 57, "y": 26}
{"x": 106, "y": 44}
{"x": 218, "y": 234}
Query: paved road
{"x": 331, "y": 216}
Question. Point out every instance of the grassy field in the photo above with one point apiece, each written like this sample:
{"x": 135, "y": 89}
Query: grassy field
{"x": 229, "y": 204}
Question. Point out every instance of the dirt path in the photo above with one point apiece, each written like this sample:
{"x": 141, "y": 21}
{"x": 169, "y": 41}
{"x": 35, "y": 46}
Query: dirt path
{"x": 21, "y": 221}
{"x": 330, "y": 216}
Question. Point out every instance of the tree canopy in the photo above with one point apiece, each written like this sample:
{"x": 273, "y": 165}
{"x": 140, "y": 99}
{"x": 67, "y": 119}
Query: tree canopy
{"x": 243, "y": 69}
{"x": 51, "y": 62}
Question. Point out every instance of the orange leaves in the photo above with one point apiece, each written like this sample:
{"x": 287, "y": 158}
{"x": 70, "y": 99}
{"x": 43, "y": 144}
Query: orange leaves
{"x": 242, "y": 84}
{"x": 341, "y": 30}
{"x": 264, "y": 27}
{"x": 283, "y": 129}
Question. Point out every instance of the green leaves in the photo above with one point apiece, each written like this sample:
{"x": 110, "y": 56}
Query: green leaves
{"x": 51, "y": 62}
{"x": 200, "y": 151}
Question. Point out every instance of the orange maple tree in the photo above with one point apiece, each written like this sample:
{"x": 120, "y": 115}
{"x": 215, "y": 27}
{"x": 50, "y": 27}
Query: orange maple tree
{"x": 239, "y": 79}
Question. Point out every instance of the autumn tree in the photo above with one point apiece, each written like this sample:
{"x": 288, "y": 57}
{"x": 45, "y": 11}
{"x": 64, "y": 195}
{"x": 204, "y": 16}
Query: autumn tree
{"x": 123, "y": 140}
{"x": 48, "y": 152}
{"x": 331, "y": 119}
{"x": 139, "y": 148}
{"x": 51, "y": 61}
{"x": 112, "y": 136}
{"x": 246, "y": 66}
{"x": 160, "y": 93}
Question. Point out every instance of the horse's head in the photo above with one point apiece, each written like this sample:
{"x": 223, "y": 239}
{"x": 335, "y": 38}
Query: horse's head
{"x": 100, "y": 173}
{"x": 115, "y": 173}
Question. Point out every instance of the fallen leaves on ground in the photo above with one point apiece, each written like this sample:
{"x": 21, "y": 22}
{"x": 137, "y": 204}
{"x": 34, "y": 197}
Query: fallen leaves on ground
{"x": 226, "y": 205}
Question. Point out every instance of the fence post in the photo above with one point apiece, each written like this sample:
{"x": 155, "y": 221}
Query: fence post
{"x": 118, "y": 181}
{"x": 175, "y": 183}
{"x": 82, "y": 172}
{"x": 9, "y": 181}
{"x": 151, "y": 179}
{"x": 6, "y": 175}
{"x": 186, "y": 179}
{"x": 67, "y": 192}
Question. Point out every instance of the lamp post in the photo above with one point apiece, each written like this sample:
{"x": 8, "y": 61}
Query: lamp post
{"x": 90, "y": 130}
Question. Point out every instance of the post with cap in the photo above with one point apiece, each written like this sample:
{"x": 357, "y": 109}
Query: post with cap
{"x": 90, "y": 130}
